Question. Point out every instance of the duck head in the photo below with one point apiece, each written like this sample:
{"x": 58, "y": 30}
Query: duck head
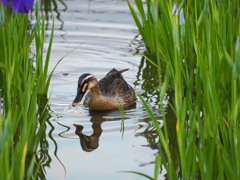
{"x": 85, "y": 82}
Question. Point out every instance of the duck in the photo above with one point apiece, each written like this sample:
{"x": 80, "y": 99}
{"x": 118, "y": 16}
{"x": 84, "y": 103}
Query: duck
{"x": 110, "y": 92}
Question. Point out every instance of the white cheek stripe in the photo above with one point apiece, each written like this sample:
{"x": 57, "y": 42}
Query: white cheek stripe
{"x": 89, "y": 76}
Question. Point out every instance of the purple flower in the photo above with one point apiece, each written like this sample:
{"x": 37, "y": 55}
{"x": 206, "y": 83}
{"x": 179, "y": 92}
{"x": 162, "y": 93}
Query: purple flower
{"x": 175, "y": 13}
{"x": 174, "y": 9}
{"x": 5, "y": 2}
{"x": 21, "y": 6}
{"x": 182, "y": 20}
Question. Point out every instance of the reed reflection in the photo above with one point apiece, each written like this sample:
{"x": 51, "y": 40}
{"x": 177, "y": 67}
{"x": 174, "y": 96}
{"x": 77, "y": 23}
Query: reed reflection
{"x": 148, "y": 80}
{"x": 42, "y": 157}
{"x": 47, "y": 7}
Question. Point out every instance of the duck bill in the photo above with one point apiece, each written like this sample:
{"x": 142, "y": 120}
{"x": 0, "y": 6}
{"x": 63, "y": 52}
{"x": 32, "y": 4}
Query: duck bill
{"x": 78, "y": 98}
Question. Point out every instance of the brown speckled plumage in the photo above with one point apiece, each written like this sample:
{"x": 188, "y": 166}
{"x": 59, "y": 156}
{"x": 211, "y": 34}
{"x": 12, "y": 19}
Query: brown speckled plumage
{"x": 110, "y": 92}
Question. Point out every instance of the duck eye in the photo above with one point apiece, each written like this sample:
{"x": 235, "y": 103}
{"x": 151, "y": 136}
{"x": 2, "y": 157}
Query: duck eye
{"x": 83, "y": 84}
{"x": 86, "y": 80}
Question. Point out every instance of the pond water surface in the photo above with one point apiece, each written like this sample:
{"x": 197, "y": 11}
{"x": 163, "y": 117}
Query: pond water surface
{"x": 104, "y": 36}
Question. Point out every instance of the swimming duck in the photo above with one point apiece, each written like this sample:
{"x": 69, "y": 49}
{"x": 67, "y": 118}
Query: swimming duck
{"x": 110, "y": 92}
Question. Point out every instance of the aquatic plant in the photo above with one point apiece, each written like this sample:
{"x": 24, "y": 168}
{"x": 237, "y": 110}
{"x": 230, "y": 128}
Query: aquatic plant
{"x": 24, "y": 83}
{"x": 195, "y": 45}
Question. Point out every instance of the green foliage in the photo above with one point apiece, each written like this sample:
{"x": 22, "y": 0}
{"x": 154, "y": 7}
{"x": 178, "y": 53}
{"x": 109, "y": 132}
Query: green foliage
{"x": 200, "y": 61}
{"x": 24, "y": 84}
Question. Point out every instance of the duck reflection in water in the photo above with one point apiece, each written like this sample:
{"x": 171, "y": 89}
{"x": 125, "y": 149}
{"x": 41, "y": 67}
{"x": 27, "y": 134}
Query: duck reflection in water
{"x": 91, "y": 142}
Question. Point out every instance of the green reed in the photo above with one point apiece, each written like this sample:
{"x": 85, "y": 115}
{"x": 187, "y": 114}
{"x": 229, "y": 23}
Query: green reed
{"x": 24, "y": 83}
{"x": 200, "y": 61}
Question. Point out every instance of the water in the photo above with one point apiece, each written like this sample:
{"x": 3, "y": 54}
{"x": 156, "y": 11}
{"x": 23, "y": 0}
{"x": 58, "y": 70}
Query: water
{"x": 103, "y": 36}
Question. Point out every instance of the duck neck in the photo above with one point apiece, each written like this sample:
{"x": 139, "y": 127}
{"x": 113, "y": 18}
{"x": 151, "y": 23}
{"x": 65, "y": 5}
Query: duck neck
{"x": 96, "y": 90}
